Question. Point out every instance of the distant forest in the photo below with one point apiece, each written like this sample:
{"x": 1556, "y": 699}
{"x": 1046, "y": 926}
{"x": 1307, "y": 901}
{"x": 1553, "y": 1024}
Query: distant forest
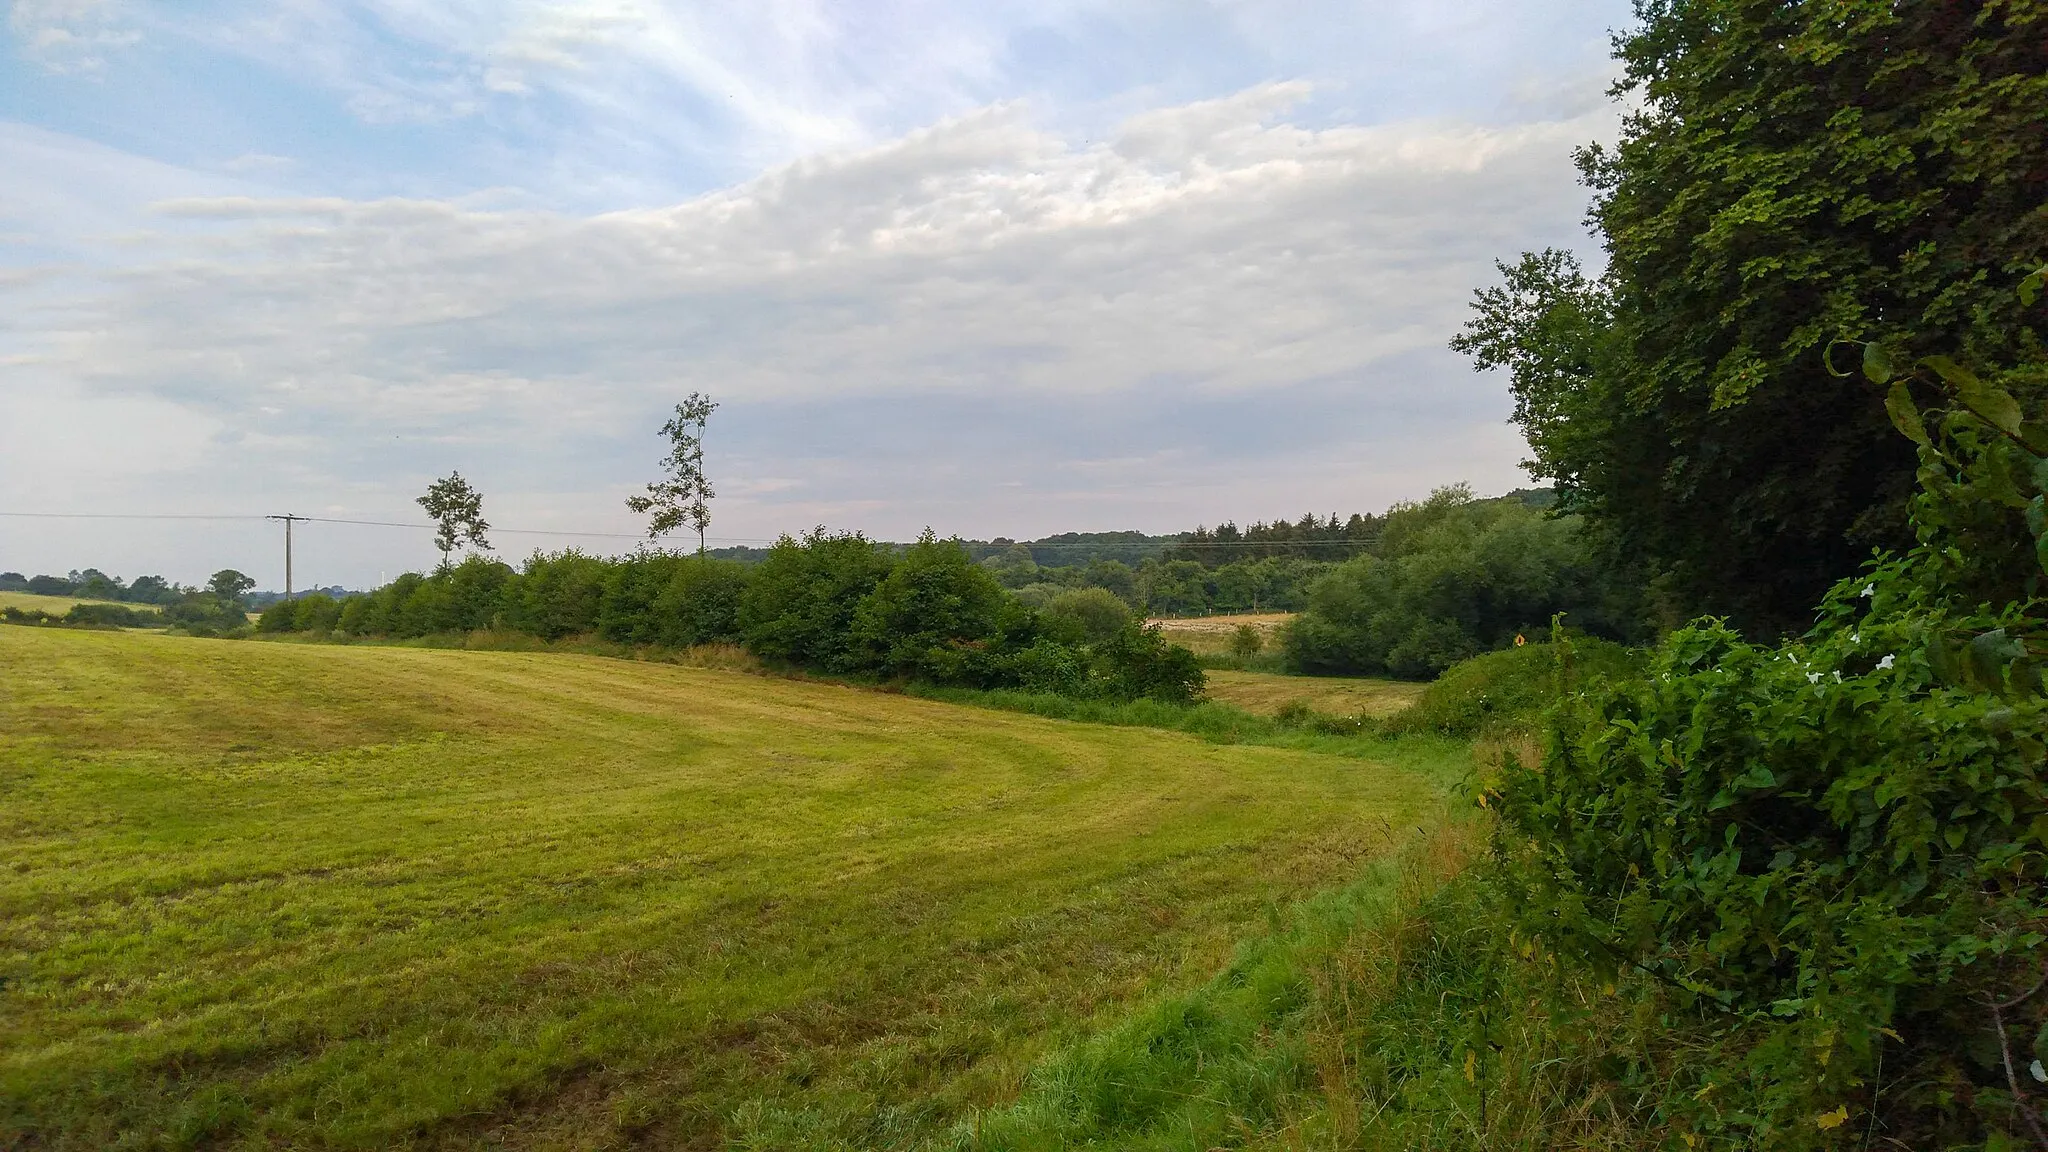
{"x": 1262, "y": 567}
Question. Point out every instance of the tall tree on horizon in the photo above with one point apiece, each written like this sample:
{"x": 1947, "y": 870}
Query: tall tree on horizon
{"x": 684, "y": 494}
{"x": 458, "y": 514}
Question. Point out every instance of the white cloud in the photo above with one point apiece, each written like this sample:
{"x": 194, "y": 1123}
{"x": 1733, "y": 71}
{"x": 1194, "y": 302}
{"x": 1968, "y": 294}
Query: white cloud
{"x": 71, "y": 35}
{"x": 1201, "y": 245}
{"x": 981, "y": 324}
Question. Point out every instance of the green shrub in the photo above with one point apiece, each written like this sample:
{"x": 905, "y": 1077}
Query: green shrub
{"x": 916, "y": 619}
{"x": 1084, "y": 615}
{"x": 800, "y": 604}
{"x": 701, "y": 604}
{"x": 112, "y": 616}
{"x": 277, "y": 617}
{"x": 1838, "y": 847}
{"x": 1455, "y": 577}
{"x": 314, "y": 612}
{"x": 1509, "y": 689}
{"x": 557, "y": 594}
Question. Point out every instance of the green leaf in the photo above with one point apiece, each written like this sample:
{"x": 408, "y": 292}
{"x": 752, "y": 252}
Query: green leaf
{"x": 1995, "y": 405}
{"x": 2030, "y": 288}
{"x": 1877, "y": 363}
{"x": 1905, "y": 417}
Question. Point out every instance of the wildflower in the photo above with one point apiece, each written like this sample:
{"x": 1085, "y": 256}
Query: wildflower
{"x": 1813, "y": 677}
{"x": 1869, "y": 590}
{"x": 1886, "y": 662}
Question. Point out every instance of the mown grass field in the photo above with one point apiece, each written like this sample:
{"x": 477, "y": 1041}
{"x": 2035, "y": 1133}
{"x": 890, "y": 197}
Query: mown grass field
{"x": 1266, "y": 693}
{"x": 260, "y": 895}
{"x": 56, "y": 605}
{"x": 1212, "y": 635}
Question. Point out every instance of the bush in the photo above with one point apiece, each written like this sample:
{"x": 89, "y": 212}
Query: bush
{"x": 799, "y": 606}
{"x": 1084, "y": 616}
{"x": 204, "y": 614}
{"x": 1455, "y": 577}
{"x": 934, "y": 602}
{"x": 314, "y": 612}
{"x": 1137, "y": 662}
{"x": 701, "y": 604}
{"x": 1838, "y": 847}
{"x": 557, "y": 595}
{"x": 278, "y": 616}
{"x": 1510, "y": 689}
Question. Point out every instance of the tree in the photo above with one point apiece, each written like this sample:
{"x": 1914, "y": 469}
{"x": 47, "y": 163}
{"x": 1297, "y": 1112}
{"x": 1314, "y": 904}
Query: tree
{"x": 1793, "y": 173}
{"x": 228, "y": 585}
{"x": 684, "y": 495}
{"x": 458, "y": 514}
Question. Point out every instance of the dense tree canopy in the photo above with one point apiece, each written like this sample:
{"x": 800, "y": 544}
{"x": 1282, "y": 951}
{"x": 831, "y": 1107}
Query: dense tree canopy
{"x": 1792, "y": 174}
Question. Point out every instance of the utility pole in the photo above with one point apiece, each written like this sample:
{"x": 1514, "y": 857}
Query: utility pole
{"x": 289, "y": 520}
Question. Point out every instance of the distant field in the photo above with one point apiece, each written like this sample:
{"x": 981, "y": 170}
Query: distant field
{"x": 324, "y": 896}
{"x": 1210, "y": 635}
{"x": 54, "y": 604}
{"x": 1266, "y": 693}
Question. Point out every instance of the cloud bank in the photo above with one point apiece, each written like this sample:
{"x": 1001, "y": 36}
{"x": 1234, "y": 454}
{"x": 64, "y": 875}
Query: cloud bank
{"x": 983, "y": 324}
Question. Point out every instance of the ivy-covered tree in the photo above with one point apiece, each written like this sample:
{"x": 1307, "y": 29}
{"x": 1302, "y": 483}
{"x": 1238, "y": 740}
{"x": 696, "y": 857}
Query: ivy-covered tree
{"x": 1791, "y": 173}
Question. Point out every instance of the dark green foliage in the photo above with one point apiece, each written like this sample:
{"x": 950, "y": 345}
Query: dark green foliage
{"x": 1794, "y": 173}
{"x": 1455, "y": 577}
{"x": 228, "y": 584}
{"x": 315, "y": 612}
{"x": 1509, "y": 690}
{"x": 701, "y": 604}
{"x": 632, "y": 585}
{"x": 558, "y": 594}
{"x": 277, "y": 617}
{"x": 93, "y": 584}
{"x": 87, "y": 616}
{"x": 1308, "y": 538}
{"x": 1084, "y": 616}
{"x": 207, "y": 614}
{"x": 840, "y": 604}
{"x": 1136, "y": 662}
{"x": 1839, "y": 845}
{"x": 800, "y": 603}
{"x": 923, "y": 618}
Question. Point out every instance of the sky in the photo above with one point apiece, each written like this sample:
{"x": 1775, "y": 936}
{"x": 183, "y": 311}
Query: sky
{"x": 997, "y": 269}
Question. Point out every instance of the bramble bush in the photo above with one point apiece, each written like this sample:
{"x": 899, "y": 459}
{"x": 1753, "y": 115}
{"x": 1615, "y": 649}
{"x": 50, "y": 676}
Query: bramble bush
{"x": 1832, "y": 851}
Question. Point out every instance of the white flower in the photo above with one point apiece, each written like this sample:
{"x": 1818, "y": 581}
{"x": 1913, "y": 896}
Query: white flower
{"x": 1885, "y": 663}
{"x": 1838, "y": 677}
{"x": 2039, "y": 1072}
{"x": 1869, "y": 590}
{"x": 1855, "y": 637}
{"x": 1813, "y": 677}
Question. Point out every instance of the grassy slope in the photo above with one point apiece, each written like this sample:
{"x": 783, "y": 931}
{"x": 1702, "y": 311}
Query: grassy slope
{"x": 371, "y": 896}
{"x": 55, "y": 605}
{"x": 1266, "y": 693}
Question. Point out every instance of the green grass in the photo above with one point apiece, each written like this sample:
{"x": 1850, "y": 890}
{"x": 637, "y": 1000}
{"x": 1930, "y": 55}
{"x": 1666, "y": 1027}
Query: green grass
{"x": 1267, "y": 693}
{"x": 54, "y": 605}
{"x": 278, "y": 895}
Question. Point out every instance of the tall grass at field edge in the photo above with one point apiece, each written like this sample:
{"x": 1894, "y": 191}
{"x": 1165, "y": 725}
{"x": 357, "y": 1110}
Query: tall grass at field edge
{"x": 1386, "y": 1014}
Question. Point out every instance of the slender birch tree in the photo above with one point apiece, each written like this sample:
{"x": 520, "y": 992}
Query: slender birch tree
{"x": 683, "y": 495}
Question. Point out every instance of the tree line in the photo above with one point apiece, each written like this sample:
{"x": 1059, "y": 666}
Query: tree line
{"x": 837, "y": 603}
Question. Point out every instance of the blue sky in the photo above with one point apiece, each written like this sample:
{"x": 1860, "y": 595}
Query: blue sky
{"x": 1000, "y": 269}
